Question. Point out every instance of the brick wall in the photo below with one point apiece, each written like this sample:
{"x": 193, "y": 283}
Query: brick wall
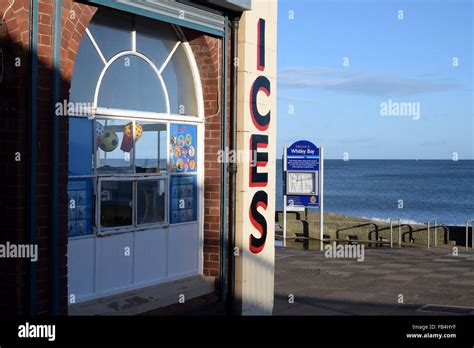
{"x": 14, "y": 37}
{"x": 208, "y": 54}
{"x": 74, "y": 20}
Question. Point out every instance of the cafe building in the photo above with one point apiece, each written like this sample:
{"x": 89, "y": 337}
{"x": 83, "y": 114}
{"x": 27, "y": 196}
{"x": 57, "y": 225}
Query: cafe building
{"x": 116, "y": 116}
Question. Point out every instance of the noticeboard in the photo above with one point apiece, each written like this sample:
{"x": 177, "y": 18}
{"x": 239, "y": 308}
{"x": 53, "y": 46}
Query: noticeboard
{"x": 302, "y": 164}
{"x": 302, "y": 183}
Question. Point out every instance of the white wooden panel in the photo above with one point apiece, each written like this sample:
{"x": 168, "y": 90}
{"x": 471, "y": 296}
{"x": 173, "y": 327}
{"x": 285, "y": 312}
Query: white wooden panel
{"x": 150, "y": 256}
{"x": 114, "y": 269}
{"x": 183, "y": 244}
{"x": 81, "y": 267}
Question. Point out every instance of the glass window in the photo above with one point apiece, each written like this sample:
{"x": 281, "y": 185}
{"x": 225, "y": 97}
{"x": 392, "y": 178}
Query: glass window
{"x": 150, "y": 147}
{"x": 180, "y": 84}
{"x": 87, "y": 69}
{"x": 112, "y": 153}
{"x": 80, "y": 146}
{"x": 116, "y": 202}
{"x": 150, "y": 201}
{"x": 155, "y": 40}
{"x": 300, "y": 183}
{"x": 112, "y": 32}
{"x": 131, "y": 83}
{"x": 114, "y": 142}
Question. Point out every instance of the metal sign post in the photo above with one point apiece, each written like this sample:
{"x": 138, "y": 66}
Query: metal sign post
{"x": 284, "y": 196}
{"x": 321, "y": 198}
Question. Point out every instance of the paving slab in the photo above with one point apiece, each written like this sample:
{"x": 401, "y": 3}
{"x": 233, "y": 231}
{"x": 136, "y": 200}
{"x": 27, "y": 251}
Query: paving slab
{"x": 400, "y": 277}
{"x": 325, "y": 286}
{"x": 440, "y": 275}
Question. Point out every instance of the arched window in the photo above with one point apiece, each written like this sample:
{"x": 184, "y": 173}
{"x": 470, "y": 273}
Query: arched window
{"x": 130, "y": 63}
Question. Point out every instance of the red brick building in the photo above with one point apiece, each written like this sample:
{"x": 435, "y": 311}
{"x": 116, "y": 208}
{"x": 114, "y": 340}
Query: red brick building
{"x": 113, "y": 118}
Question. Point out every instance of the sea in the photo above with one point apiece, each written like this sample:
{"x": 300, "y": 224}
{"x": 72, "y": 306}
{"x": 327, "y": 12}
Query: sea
{"x": 413, "y": 190}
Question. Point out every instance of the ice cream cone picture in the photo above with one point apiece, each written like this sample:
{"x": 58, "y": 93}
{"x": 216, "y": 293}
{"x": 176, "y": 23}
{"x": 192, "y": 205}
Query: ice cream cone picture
{"x": 127, "y": 141}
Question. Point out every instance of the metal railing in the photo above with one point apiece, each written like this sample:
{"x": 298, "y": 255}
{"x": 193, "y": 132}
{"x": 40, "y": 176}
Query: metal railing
{"x": 429, "y": 232}
{"x": 431, "y": 224}
{"x": 399, "y": 232}
{"x": 467, "y": 234}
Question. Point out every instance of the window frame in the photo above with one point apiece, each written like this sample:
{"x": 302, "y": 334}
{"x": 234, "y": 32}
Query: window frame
{"x": 97, "y": 178}
{"x": 134, "y": 177}
{"x": 135, "y": 226}
{"x": 96, "y": 173}
{"x": 159, "y": 70}
{"x": 166, "y": 118}
{"x": 165, "y": 221}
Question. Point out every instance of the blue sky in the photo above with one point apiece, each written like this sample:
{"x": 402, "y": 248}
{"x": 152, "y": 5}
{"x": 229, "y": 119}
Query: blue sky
{"x": 407, "y": 60}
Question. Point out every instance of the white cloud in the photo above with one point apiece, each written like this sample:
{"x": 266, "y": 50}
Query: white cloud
{"x": 356, "y": 82}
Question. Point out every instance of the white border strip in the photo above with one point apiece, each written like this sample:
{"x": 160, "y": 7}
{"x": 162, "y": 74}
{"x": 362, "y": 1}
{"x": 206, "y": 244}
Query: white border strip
{"x": 99, "y": 52}
{"x": 134, "y": 40}
{"x": 165, "y": 63}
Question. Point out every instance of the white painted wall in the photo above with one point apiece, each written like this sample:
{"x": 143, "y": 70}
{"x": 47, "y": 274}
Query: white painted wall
{"x": 98, "y": 266}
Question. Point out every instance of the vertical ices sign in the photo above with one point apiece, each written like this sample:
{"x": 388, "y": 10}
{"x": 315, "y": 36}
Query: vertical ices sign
{"x": 259, "y": 141}
{"x": 256, "y": 178}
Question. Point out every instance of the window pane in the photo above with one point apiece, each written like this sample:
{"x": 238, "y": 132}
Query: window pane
{"x": 180, "y": 84}
{"x": 87, "y": 69}
{"x": 116, "y": 203}
{"x": 112, "y": 32}
{"x": 131, "y": 83}
{"x": 150, "y": 148}
{"x": 114, "y": 147}
{"x": 80, "y": 146}
{"x": 150, "y": 201}
{"x": 155, "y": 39}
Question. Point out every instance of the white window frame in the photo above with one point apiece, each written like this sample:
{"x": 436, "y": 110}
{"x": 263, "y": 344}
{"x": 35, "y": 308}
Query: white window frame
{"x": 135, "y": 226}
{"x": 196, "y": 120}
{"x": 97, "y": 110}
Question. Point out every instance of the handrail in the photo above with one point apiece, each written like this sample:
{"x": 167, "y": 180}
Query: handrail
{"x": 467, "y": 234}
{"x": 429, "y": 235}
{"x": 399, "y": 232}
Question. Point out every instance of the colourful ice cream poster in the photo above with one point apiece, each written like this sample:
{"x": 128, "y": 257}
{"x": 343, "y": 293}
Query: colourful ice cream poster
{"x": 183, "y": 148}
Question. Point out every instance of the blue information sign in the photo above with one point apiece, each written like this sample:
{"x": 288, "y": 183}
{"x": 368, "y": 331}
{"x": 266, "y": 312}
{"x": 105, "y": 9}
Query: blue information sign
{"x": 302, "y": 155}
{"x": 302, "y": 179}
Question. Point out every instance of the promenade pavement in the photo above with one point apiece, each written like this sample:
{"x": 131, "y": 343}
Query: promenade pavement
{"x": 398, "y": 281}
